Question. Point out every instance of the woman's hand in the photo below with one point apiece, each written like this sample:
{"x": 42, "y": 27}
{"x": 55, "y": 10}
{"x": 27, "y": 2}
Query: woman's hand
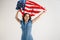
{"x": 42, "y": 13}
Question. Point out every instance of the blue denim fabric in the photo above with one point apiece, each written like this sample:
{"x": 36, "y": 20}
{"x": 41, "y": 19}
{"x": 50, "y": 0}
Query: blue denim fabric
{"x": 26, "y": 30}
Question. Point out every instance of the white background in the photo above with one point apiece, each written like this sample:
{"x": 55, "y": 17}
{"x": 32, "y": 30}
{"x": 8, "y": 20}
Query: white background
{"x": 46, "y": 28}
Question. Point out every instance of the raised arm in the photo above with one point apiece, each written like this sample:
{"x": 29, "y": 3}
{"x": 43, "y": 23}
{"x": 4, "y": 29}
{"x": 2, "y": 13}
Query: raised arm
{"x": 16, "y": 17}
{"x": 34, "y": 20}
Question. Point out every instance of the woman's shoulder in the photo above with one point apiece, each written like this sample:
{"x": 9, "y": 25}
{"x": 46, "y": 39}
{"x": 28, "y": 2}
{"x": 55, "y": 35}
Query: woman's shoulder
{"x": 21, "y": 21}
{"x": 30, "y": 20}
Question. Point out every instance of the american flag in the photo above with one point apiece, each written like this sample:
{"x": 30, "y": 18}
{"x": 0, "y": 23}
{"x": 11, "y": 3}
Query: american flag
{"x": 32, "y": 8}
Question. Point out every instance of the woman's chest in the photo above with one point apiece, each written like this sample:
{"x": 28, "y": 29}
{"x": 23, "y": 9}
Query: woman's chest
{"x": 26, "y": 25}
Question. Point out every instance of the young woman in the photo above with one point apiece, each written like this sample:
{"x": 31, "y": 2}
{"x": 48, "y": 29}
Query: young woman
{"x": 26, "y": 25}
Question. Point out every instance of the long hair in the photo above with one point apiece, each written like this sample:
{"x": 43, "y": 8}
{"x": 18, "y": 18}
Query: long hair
{"x": 25, "y": 15}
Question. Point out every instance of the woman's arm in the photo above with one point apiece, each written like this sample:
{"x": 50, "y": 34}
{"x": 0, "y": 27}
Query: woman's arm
{"x": 34, "y": 20}
{"x": 16, "y": 17}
